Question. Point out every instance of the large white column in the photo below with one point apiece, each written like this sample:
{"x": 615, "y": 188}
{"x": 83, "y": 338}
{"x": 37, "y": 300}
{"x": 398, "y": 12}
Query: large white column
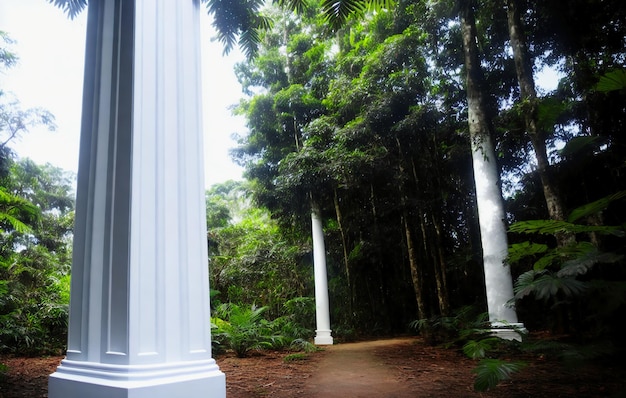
{"x": 139, "y": 312}
{"x": 322, "y": 306}
{"x": 498, "y": 280}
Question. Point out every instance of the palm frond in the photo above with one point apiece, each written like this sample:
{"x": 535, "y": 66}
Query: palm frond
{"x": 594, "y": 207}
{"x": 71, "y": 7}
{"x": 478, "y": 348}
{"x": 545, "y": 285}
{"x": 293, "y": 5}
{"x": 337, "y": 12}
{"x": 238, "y": 22}
{"x": 490, "y": 372}
{"x": 552, "y": 227}
{"x": 582, "y": 264}
{"x": 582, "y": 144}
{"x": 16, "y": 212}
{"x": 612, "y": 81}
{"x": 518, "y": 251}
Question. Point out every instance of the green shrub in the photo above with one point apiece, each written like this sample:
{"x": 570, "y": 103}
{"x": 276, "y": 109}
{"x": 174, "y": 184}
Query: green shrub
{"x": 241, "y": 329}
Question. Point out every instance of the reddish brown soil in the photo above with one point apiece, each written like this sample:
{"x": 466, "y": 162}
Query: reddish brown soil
{"x": 396, "y": 368}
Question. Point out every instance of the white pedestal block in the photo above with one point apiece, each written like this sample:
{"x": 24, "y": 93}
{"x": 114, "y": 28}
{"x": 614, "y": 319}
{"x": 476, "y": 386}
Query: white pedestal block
{"x": 139, "y": 322}
{"x": 171, "y": 380}
{"x": 508, "y": 331}
{"x": 323, "y": 337}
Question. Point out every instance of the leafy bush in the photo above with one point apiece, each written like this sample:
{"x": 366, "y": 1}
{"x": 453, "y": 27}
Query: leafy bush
{"x": 465, "y": 323}
{"x": 241, "y": 328}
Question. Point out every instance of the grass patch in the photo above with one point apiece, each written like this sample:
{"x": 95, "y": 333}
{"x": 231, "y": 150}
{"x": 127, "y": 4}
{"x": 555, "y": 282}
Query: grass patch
{"x": 296, "y": 356}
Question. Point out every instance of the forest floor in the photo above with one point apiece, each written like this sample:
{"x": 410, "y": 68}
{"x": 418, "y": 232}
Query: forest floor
{"x": 389, "y": 368}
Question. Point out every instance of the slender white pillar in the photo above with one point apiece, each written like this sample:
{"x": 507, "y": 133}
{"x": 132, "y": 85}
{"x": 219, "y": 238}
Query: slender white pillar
{"x": 139, "y": 312}
{"x": 322, "y": 311}
{"x": 498, "y": 280}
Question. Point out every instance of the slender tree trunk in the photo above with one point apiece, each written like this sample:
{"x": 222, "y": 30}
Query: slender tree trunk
{"x": 436, "y": 252}
{"x": 528, "y": 96}
{"x": 344, "y": 244}
{"x": 498, "y": 282}
{"x": 440, "y": 271}
{"x": 416, "y": 276}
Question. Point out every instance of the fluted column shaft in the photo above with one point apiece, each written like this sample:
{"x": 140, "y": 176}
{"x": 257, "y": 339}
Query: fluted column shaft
{"x": 322, "y": 305}
{"x": 139, "y": 311}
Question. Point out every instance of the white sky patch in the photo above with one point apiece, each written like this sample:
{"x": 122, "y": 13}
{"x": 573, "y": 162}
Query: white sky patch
{"x": 49, "y": 75}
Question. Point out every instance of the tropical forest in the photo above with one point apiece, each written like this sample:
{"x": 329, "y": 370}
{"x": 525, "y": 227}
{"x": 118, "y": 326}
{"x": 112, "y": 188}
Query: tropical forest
{"x": 399, "y": 126}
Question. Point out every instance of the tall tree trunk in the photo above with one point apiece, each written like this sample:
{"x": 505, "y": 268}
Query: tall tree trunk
{"x": 344, "y": 244}
{"x": 440, "y": 270}
{"x": 416, "y": 276}
{"x": 528, "y": 96}
{"x": 498, "y": 282}
{"x": 435, "y": 250}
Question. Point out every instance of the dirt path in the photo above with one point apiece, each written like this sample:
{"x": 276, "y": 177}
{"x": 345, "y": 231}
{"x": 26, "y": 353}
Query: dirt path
{"x": 390, "y": 368}
{"x": 353, "y": 370}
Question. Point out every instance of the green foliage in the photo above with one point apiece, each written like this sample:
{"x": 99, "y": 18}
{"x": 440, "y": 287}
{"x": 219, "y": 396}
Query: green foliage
{"x": 490, "y": 372}
{"x": 244, "y": 328}
{"x": 612, "y": 81}
{"x": 4, "y": 370}
{"x": 465, "y": 323}
{"x": 34, "y": 261}
{"x": 595, "y": 207}
{"x": 545, "y": 285}
{"x": 563, "y": 275}
{"x": 252, "y": 259}
{"x": 555, "y": 269}
{"x": 296, "y": 356}
{"x": 476, "y": 349}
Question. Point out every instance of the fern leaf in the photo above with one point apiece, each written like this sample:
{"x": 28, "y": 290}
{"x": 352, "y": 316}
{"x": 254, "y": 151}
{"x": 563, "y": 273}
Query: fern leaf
{"x": 518, "y": 251}
{"x": 549, "y": 227}
{"x": 478, "y": 348}
{"x": 490, "y": 372}
{"x": 612, "y": 81}
{"x": 581, "y": 143}
{"x": 594, "y": 207}
{"x": 524, "y": 285}
{"x": 581, "y": 265}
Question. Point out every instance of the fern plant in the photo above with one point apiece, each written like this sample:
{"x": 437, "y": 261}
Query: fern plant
{"x": 563, "y": 276}
{"x": 241, "y": 328}
{"x": 556, "y": 269}
{"x": 472, "y": 330}
{"x": 490, "y": 372}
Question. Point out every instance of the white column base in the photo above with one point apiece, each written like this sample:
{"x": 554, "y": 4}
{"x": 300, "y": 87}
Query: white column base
{"x": 508, "y": 331}
{"x": 323, "y": 337}
{"x": 74, "y": 379}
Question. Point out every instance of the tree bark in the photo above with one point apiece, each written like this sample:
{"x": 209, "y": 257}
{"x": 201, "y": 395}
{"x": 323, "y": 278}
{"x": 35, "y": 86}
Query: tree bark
{"x": 416, "y": 276}
{"x": 528, "y": 97}
{"x": 440, "y": 270}
{"x": 344, "y": 244}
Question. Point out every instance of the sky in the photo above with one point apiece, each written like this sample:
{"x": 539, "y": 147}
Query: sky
{"x": 49, "y": 75}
